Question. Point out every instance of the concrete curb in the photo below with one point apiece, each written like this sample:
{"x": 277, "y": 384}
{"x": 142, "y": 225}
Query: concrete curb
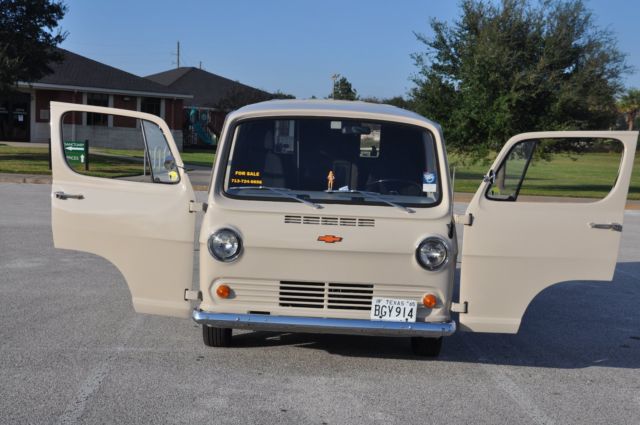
{"x": 458, "y": 197}
{"x": 25, "y": 178}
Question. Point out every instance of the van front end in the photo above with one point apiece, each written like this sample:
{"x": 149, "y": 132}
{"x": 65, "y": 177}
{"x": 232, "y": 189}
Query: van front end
{"x": 328, "y": 224}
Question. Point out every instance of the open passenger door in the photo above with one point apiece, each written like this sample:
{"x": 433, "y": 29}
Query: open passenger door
{"x": 139, "y": 219}
{"x": 514, "y": 249}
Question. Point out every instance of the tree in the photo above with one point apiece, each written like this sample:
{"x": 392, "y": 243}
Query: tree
{"x": 629, "y": 106}
{"x": 28, "y": 40}
{"x": 398, "y": 101}
{"x": 281, "y": 95}
{"x": 507, "y": 68}
{"x": 342, "y": 89}
{"x": 238, "y": 96}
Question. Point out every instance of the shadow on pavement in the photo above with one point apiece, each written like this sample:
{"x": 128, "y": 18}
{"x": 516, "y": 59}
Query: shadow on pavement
{"x": 570, "y": 325}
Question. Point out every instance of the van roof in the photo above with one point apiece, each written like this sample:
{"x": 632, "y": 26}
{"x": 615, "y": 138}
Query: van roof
{"x": 346, "y": 108}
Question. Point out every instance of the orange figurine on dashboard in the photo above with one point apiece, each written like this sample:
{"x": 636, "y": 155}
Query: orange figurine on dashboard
{"x": 330, "y": 179}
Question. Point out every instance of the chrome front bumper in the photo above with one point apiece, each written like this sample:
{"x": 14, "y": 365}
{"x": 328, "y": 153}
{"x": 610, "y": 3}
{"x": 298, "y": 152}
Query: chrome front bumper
{"x": 323, "y": 325}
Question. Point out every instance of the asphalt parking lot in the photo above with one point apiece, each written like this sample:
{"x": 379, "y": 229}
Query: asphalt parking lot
{"x": 72, "y": 350}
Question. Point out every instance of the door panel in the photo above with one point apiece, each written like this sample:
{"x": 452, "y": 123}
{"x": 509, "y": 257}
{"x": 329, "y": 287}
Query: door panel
{"x": 144, "y": 228}
{"x": 514, "y": 249}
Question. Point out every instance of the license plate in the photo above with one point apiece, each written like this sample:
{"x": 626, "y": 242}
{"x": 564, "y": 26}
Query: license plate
{"x": 393, "y": 310}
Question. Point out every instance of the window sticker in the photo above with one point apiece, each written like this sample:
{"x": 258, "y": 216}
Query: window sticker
{"x": 429, "y": 182}
{"x": 246, "y": 177}
{"x": 336, "y": 125}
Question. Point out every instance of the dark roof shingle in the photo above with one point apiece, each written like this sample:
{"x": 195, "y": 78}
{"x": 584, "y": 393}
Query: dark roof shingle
{"x": 208, "y": 89}
{"x": 80, "y": 71}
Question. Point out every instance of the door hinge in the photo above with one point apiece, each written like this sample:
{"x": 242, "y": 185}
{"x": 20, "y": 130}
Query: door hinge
{"x": 466, "y": 219}
{"x": 195, "y": 206}
{"x": 459, "y": 307}
{"x": 191, "y": 295}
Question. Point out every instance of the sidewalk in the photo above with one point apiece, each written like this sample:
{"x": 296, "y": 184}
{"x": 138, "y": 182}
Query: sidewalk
{"x": 26, "y": 144}
{"x": 200, "y": 180}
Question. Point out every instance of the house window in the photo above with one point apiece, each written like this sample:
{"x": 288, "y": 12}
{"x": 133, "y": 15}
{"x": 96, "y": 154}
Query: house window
{"x": 97, "y": 99}
{"x": 150, "y": 105}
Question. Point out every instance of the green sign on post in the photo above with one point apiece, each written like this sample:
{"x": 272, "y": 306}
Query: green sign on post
{"x": 77, "y": 152}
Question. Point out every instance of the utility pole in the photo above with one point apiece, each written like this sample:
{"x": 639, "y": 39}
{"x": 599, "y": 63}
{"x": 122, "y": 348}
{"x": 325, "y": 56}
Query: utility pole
{"x": 178, "y": 55}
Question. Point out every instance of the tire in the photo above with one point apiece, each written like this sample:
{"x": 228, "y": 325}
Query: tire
{"x": 216, "y": 337}
{"x": 426, "y": 347}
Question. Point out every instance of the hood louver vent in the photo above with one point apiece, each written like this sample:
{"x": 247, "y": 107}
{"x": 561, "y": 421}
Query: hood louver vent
{"x": 330, "y": 221}
{"x": 292, "y": 219}
{"x": 310, "y": 220}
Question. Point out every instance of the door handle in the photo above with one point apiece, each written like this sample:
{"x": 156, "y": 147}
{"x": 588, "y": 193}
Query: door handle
{"x": 62, "y": 195}
{"x": 616, "y": 227}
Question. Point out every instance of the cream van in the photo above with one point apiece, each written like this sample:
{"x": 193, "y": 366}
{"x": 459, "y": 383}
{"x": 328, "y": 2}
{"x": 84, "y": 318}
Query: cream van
{"x": 329, "y": 217}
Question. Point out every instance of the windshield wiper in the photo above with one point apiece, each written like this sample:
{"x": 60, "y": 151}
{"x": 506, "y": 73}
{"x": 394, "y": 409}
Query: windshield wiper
{"x": 379, "y": 198}
{"x": 280, "y": 191}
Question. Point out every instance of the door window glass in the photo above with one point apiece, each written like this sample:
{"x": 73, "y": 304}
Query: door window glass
{"x": 584, "y": 170}
{"x": 139, "y": 153}
{"x": 508, "y": 180}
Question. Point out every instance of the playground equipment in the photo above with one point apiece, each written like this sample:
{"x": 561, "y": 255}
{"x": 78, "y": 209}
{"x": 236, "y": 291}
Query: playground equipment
{"x": 198, "y": 123}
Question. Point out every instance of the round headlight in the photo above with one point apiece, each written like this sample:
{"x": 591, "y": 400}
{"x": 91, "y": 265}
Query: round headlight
{"x": 225, "y": 245}
{"x": 432, "y": 253}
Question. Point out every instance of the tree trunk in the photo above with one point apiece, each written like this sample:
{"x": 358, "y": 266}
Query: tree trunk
{"x": 631, "y": 117}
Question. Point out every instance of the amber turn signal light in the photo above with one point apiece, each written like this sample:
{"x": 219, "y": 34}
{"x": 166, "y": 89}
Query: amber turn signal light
{"x": 429, "y": 300}
{"x": 223, "y": 291}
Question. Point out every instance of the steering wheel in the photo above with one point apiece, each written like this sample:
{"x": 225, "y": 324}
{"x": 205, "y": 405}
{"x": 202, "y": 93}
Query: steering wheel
{"x": 400, "y": 184}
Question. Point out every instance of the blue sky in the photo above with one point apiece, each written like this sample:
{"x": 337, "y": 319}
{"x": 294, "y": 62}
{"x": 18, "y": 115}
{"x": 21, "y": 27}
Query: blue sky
{"x": 287, "y": 45}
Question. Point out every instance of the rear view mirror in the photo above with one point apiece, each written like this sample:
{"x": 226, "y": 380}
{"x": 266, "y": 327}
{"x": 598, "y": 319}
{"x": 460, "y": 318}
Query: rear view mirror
{"x": 356, "y": 129}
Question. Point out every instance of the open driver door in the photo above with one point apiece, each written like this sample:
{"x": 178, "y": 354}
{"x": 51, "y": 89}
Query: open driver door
{"x": 136, "y": 214}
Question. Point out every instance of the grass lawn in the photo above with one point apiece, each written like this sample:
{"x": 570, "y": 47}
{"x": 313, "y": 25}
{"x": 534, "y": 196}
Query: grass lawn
{"x": 563, "y": 176}
{"x": 36, "y": 161}
{"x": 200, "y": 157}
{"x": 590, "y": 176}
{"x": 24, "y": 160}
{"x": 28, "y": 160}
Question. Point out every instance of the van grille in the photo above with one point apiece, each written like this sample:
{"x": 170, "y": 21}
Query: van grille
{"x": 330, "y": 221}
{"x": 335, "y": 296}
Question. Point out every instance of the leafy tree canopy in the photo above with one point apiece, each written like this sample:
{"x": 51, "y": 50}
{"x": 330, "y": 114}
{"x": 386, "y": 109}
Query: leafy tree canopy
{"x": 512, "y": 67}
{"x": 398, "y": 101}
{"x": 28, "y": 40}
{"x": 281, "y": 95}
{"x": 238, "y": 96}
{"x": 342, "y": 89}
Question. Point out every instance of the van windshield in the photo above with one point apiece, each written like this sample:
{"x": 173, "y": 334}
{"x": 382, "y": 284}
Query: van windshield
{"x": 333, "y": 160}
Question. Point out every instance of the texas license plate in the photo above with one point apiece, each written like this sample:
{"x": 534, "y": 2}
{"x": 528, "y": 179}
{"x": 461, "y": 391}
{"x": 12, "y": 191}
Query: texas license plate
{"x": 393, "y": 310}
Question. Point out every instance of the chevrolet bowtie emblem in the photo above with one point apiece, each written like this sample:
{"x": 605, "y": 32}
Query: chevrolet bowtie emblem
{"x": 329, "y": 239}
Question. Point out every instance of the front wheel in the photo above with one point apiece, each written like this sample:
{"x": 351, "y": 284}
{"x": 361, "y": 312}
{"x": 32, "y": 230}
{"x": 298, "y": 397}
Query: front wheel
{"x": 216, "y": 337}
{"x": 426, "y": 347}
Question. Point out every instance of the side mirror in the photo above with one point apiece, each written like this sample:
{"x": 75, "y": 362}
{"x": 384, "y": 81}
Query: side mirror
{"x": 169, "y": 163}
{"x": 490, "y": 177}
